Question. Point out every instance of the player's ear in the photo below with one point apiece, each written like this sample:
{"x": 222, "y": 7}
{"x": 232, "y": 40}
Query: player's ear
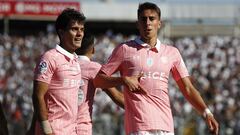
{"x": 159, "y": 24}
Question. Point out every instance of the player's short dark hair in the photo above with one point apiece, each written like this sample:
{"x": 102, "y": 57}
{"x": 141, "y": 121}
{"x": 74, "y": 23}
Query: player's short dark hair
{"x": 87, "y": 43}
{"x": 148, "y": 5}
{"x": 67, "y": 16}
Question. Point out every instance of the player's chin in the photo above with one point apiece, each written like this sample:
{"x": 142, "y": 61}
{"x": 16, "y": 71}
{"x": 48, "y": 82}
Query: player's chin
{"x": 77, "y": 45}
{"x": 148, "y": 36}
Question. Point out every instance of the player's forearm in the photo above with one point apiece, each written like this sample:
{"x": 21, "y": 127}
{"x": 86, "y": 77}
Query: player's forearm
{"x": 39, "y": 91}
{"x": 40, "y": 107}
{"x": 116, "y": 96}
{"x": 42, "y": 113}
{"x": 196, "y": 100}
{"x": 120, "y": 101}
{"x": 192, "y": 95}
{"x": 104, "y": 81}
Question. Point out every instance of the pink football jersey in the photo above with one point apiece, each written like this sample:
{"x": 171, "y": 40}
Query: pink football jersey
{"x": 149, "y": 111}
{"x": 61, "y": 71}
{"x": 86, "y": 95}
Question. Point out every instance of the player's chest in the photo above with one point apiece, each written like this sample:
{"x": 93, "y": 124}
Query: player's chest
{"x": 68, "y": 69}
{"x": 148, "y": 60}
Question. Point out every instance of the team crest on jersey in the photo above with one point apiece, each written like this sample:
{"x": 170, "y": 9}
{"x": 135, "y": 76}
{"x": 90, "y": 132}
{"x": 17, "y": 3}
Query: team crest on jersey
{"x": 42, "y": 67}
{"x": 149, "y": 62}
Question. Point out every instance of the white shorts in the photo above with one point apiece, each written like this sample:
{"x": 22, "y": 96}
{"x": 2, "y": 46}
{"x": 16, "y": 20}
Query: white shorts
{"x": 152, "y": 132}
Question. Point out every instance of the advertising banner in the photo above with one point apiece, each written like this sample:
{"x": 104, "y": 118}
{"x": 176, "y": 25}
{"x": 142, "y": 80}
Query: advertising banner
{"x": 35, "y": 8}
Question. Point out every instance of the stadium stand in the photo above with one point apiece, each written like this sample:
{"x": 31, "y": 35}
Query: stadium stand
{"x": 214, "y": 61}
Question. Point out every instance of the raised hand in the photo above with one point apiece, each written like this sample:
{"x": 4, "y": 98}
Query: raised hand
{"x": 133, "y": 83}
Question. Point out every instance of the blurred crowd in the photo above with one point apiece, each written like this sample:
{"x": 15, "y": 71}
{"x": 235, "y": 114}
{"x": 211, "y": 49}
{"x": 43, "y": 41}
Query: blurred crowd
{"x": 213, "y": 62}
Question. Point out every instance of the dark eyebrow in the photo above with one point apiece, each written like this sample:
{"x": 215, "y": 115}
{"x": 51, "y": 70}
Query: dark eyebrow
{"x": 150, "y": 17}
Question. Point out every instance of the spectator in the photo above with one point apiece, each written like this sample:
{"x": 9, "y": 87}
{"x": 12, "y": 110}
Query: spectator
{"x": 3, "y": 122}
{"x": 16, "y": 81}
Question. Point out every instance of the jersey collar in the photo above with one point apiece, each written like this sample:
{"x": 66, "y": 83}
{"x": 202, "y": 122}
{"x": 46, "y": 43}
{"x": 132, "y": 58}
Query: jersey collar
{"x": 65, "y": 52}
{"x": 83, "y": 57}
{"x": 143, "y": 44}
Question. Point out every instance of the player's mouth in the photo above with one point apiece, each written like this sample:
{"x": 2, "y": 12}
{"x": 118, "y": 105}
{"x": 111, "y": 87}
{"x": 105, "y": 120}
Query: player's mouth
{"x": 77, "y": 39}
{"x": 148, "y": 30}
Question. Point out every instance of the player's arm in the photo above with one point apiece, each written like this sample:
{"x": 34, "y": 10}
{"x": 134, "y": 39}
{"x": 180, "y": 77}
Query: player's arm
{"x": 116, "y": 96}
{"x": 3, "y": 122}
{"x": 193, "y": 96}
{"x": 104, "y": 81}
{"x": 39, "y": 91}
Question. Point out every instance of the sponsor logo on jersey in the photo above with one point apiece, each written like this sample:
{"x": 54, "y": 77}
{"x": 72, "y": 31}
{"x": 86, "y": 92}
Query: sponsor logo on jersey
{"x": 154, "y": 75}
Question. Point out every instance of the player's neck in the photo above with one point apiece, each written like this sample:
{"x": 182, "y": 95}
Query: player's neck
{"x": 152, "y": 42}
{"x": 89, "y": 55}
{"x": 67, "y": 48}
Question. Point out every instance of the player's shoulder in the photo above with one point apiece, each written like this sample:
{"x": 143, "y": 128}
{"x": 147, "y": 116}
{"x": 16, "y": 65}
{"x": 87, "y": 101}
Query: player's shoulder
{"x": 50, "y": 54}
{"x": 128, "y": 43}
{"x": 90, "y": 64}
{"x": 46, "y": 59}
{"x": 95, "y": 64}
{"x": 169, "y": 47}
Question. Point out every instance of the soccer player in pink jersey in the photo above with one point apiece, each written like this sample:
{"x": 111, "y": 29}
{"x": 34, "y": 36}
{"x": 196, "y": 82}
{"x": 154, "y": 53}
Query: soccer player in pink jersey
{"x": 57, "y": 78}
{"x": 87, "y": 90}
{"x": 145, "y": 65}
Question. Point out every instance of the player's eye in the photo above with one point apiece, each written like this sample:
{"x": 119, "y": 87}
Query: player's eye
{"x": 151, "y": 18}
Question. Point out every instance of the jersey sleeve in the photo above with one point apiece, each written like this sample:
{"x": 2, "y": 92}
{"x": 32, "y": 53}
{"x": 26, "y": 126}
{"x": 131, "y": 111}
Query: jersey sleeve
{"x": 114, "y": 61}
{"x": 45, "y": 68}
{"x": 179, "y": 69}
{"x": 95, "y": 69}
